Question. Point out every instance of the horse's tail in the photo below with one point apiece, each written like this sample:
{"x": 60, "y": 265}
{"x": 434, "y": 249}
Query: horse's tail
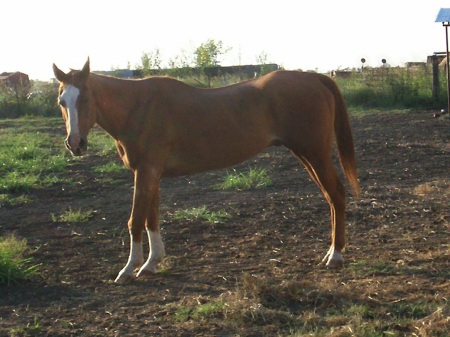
{"x": 344, "y": 138}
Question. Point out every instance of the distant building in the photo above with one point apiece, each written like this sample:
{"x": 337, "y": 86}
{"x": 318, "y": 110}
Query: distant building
{"x": 416, "y": 65}
{"x": 14, "y": 80}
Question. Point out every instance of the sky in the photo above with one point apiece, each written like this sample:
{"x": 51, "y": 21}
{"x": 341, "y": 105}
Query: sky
{"x": 319, "y": 35}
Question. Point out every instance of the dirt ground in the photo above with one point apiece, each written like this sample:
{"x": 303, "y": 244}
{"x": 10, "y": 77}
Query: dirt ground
{"x": 279, "y": 233}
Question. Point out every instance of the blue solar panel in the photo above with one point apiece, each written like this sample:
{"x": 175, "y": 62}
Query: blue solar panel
{"x": 443, "y": 15}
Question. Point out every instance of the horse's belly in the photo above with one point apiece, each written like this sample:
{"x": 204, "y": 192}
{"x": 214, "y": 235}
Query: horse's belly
{"x": 203, "y": 158}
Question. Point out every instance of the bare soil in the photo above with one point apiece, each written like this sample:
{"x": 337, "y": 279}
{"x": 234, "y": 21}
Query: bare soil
{"x": 275, "y": 239}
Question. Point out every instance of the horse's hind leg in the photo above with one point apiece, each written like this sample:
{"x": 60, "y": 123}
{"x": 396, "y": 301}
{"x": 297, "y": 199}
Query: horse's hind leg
{"x": 322, "y": 171}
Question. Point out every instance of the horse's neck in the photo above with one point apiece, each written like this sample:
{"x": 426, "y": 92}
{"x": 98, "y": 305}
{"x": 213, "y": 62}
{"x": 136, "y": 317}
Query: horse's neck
{"x": 110, "y": 115}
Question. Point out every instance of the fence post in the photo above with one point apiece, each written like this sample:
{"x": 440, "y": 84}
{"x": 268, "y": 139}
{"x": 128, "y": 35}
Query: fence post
{"x": 435, "y": 63}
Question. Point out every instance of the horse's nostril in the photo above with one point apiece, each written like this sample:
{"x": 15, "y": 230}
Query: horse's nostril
{"x": 76, "y": 145}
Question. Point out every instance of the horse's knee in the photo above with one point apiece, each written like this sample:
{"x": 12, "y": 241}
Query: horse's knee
{"x": 135, "y": 229}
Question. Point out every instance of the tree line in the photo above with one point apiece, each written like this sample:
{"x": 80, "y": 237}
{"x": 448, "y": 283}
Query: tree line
{"x": 198, "y": 69}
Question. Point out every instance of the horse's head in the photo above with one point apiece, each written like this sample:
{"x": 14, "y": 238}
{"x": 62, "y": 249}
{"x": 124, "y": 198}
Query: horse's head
{"x": 75, "y": 101}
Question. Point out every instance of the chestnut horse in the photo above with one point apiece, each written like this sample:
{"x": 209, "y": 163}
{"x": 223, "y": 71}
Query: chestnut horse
{"x": 166, "y": 128}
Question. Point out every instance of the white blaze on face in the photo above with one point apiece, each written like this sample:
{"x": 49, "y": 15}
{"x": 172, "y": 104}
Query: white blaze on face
{"x": 70, "y": 96}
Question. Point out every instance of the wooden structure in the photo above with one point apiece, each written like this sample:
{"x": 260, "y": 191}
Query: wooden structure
{"x": 14, "y": 80}
{"x": 444, "y": 17}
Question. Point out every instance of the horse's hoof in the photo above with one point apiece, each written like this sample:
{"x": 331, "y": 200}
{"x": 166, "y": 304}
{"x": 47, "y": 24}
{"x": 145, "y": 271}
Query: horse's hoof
{"x": 335, "y": 263}
{"x": 146, "y": 271}
{"x": 333, "y": 259}
{"x": 123, "y": 278}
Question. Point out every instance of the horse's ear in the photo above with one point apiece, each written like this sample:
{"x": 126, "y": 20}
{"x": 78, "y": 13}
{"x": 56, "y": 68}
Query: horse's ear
{"x": 86, "y": 69}
{"x": 59, "y": 74}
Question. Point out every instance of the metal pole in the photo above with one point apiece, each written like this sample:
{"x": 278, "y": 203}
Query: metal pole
{"x": 448, "y": 69}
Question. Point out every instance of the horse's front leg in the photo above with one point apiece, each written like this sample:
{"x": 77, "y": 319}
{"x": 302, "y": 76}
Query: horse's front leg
{"x": 145, "y": 213}
{"x": 155, "y": 243}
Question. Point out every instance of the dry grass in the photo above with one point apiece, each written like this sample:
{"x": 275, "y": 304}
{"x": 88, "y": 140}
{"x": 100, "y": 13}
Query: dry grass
{"x": 438, "y": 188}
{"x": 366, "y": 306}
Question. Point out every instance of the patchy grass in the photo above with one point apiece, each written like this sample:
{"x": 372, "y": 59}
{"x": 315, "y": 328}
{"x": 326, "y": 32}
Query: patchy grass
{"x": 29, "y": 159}
{"x": 374, "y": 267}
{"x": 101, "y": 143}
{"x": 32, "y": 158}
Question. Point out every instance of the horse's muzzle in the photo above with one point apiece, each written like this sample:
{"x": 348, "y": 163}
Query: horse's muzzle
{"x": 76, "y": 145}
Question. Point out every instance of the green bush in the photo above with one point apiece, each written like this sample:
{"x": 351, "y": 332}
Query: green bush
{"x": 43, "y": 104}
{"x": 393, "y": 88}
{"x": 40, "y": 100}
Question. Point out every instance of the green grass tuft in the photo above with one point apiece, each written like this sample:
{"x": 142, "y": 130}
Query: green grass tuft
{"x": 31, "y": 329}
{"x": 73, "y": 216}
{"x": 254, "y": 178}
{"x": 202, "y": 213}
